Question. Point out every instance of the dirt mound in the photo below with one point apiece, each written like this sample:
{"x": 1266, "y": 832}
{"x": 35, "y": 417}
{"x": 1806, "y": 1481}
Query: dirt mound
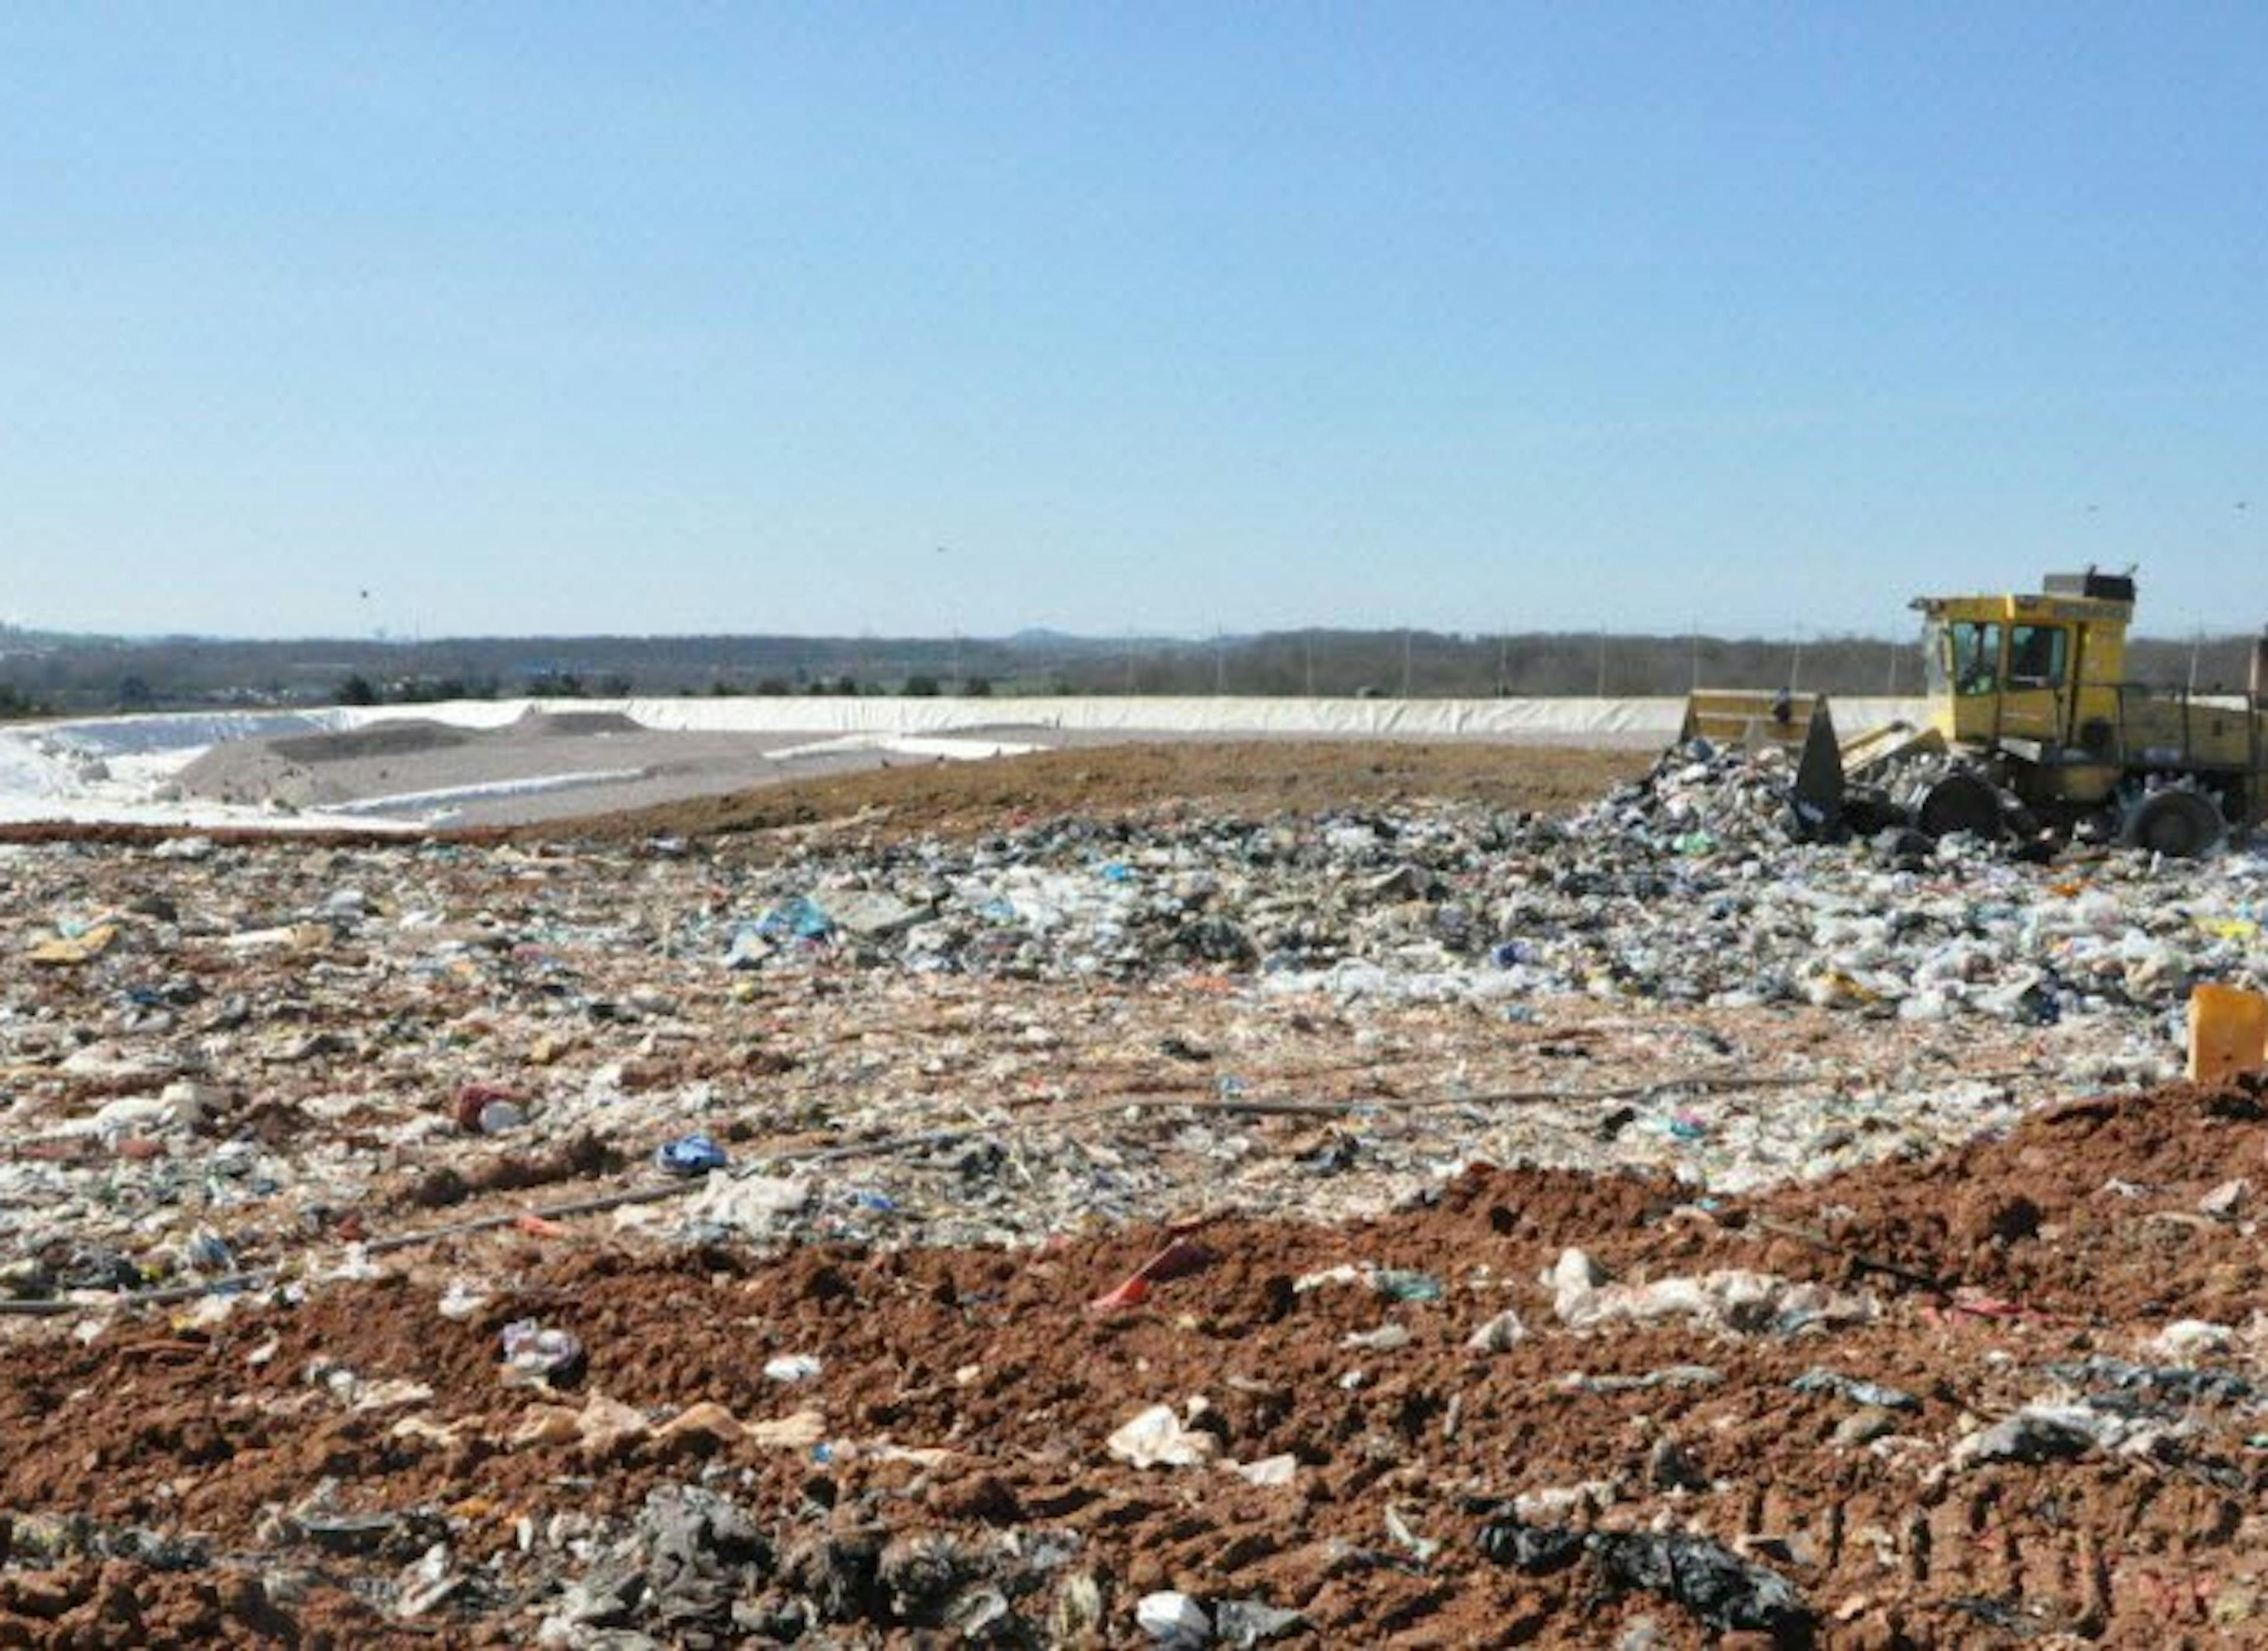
{"x": 569, "y": 725}
{"x": 1686, "y": 1443}
{"x": 1251, "y": 777}
{"x": 406, "y": 737}
{"x": 128, "y": 1602}
{"x": 2103, "y": 1207}
{"x": 310, "y": 770}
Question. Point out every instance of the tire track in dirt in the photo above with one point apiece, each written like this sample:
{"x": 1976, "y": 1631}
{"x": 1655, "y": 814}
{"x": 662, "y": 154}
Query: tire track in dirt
{"x": 216, "y": 1432}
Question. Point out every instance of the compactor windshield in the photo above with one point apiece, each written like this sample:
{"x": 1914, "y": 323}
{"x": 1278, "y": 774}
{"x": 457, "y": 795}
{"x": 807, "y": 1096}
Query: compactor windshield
{"x": 1975, "y": 650}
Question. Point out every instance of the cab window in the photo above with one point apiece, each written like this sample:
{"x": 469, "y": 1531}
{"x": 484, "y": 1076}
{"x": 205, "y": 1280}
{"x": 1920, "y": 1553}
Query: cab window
{"x": 1976, "y": 661}
{"x": 2038, "y": 655}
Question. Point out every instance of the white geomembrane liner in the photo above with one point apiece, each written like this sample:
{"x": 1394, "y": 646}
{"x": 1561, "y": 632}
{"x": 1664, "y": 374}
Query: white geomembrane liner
{"x": 119, "y": 768}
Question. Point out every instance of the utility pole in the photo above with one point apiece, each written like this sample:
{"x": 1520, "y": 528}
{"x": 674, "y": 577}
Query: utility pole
{"x": 1308, "y": 641}
{"x": 1602, "y": 662}
{"x": 1219, "y": 662}
{"x": 1502, "y": 657}
{"x": 1405, "y": 661}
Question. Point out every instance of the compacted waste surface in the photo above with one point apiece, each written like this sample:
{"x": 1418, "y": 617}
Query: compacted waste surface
{"x": 1414, "y": 1222}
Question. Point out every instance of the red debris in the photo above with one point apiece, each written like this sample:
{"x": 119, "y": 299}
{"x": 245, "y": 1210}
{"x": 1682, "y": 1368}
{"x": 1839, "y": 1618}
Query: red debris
{"x": 1177, "y": 1260}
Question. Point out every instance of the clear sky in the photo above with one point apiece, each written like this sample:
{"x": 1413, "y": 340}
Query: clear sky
{"x": 919, "y": 318}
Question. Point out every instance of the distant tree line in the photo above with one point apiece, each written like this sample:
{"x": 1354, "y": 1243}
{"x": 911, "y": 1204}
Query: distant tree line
{"x": 80, "y": 674}
{"x": 15, "y": 703}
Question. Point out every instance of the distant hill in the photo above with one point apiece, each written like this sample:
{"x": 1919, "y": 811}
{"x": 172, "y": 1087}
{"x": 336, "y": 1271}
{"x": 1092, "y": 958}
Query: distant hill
{"x": 1062, "y": 642}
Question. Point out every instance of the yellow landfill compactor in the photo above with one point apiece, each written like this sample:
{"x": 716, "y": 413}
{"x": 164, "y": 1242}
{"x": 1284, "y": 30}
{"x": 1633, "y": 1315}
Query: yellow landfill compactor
{"x": 2033, "y": 730}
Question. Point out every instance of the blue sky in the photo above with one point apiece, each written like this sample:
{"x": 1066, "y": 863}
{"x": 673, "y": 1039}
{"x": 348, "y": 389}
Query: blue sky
{"x": 565, "y": 318}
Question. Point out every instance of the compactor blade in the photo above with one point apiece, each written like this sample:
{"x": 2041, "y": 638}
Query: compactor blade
{"x": 1800, "y": 723}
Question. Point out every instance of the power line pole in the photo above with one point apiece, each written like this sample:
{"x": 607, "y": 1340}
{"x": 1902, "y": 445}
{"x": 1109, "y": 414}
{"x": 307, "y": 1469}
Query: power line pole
{"x": 1602, "y": 662}
{"x": 1405, "y": 661}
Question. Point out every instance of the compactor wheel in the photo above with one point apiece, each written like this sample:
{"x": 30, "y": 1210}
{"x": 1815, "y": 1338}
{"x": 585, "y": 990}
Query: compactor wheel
{"x": 1961, "y": 801}
{"x": 2179, "y": 824}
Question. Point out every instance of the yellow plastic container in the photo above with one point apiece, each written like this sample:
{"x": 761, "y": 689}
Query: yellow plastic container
{"x": 2228, "y": 1033}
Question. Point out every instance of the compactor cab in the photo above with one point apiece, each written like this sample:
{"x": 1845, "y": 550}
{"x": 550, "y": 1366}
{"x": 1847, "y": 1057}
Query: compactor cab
{"x": 2039, "y": 679}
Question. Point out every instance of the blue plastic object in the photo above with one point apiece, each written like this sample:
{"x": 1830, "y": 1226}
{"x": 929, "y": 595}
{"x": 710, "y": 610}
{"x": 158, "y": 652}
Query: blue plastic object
{"x": 689, "y": 1155}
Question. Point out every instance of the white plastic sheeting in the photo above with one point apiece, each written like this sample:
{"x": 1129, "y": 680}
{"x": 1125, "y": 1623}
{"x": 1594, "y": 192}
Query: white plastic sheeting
{"x": 116, "y": 768}
{"x": 455, "y": 796}
{"x": 1507, "y": 720}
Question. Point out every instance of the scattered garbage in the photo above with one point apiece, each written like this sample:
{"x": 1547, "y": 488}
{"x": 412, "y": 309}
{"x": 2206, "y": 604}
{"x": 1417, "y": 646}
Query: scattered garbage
{"x": 1707, "y": 1578}
{"x": 1279, "y": 1470}
{"x": 795, "y": 919}
{"x": 1173, "y": 1620}
{"x": 1676, "y": 1375}
{"x": 80, "y": 946}
{"x": 1157, "y": 1438}
{"x": 489, "y": 1108}
{"x": 2062, "y": 1433}
{"x": 1180, "y": 1257}
{"x": 537, "y": 1353}
{"x": 434, "y": 1077}
{"x": 747, "y": 1206}
{"x": 2180, "y": 1385}
{"x": 1879, "y": 1395}
{"x": 2183, "y": 1340}
{"x": 293, "y": 997}
{"x": 1863, "y": 1425}
{"x": 1420, "y": 1548}
{"x": 2228, "y": 1200}
{"x": 1385, "y": 1338}
{"x": 1500, "y": 1334}
{"x": 1398, "y": 1285}
{"x": 1244, "y": 1622}
{"x": 689, "y": 1155}
{"x": 1734, "y": 1301}
{"x": 1721, "y": 1589}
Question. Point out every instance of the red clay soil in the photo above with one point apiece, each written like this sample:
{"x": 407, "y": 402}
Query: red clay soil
{"x": 955, "y": 799}
{"x": 2078, "y": 1235}
{"x": 1225, "y": 777}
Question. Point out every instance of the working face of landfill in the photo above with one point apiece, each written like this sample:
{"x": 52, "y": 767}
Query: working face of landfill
{"x": 1174, "y": 1227}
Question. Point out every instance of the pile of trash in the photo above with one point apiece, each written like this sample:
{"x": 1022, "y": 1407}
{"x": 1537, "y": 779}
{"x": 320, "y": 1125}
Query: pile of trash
{"x": 1681, "y": 888}
{"x": 217, "y": 1059}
